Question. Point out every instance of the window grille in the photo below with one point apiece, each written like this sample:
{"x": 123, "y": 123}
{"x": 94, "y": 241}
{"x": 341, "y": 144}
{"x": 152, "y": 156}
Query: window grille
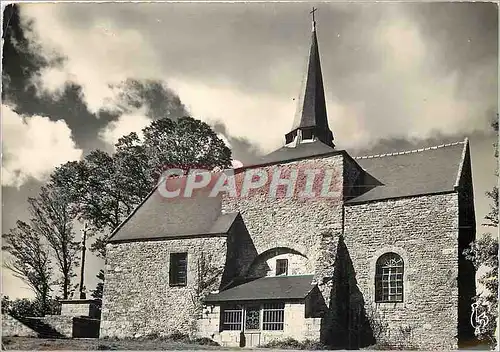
{"x": 178, "y": 269}
{"x": 232, "y": 318}
{"x": 281, "y": 267}
{"x": 252, "y": 318}
{"x": 273, "y": 316}
{"x": 389, "y": 278}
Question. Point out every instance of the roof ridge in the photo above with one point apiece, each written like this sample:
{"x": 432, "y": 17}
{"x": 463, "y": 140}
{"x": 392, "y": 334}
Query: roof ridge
{"x": 408, "y": 151}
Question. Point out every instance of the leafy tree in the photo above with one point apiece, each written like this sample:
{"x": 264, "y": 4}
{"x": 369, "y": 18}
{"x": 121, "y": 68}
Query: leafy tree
{"x": 103, "y": 189}
{"x": 54, "y": 307}
{"x": 6, "y": 304}
{"x": 97, "y": 292}
{"x": 492, "y": 217}
{"x": 30, "y": 259}
{"x": 484, "y": 253}
{"x": 52, "y": 220}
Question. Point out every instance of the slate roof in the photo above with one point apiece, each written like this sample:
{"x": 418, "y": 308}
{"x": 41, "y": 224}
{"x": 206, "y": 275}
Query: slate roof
{"x": 423, "y": 171}
{"x": 302, "y": 150}
{"x": 158, "y": 217}
{"x": 417, "y": 172}
{"x": 266, "y": 288}
{"x": 312, "y": 107}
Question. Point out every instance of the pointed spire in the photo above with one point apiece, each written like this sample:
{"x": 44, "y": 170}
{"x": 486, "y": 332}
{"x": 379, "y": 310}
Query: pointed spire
{"x": 313, "y": 19}
{"x": 311, "y": 118}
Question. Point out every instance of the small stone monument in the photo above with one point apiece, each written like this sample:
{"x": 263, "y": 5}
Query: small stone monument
{"x": 80, "y": 308}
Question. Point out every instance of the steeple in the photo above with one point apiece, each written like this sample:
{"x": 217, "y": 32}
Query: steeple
{"x": 311, "y": 122}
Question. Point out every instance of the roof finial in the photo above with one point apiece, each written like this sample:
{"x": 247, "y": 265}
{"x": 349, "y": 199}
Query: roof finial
{"x": 313, "y": 19}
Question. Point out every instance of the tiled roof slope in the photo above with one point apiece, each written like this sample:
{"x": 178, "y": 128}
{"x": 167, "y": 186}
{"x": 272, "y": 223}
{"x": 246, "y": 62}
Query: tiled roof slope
{"x": 415, "y": 172}
{"x": 275, "y": 287}
{"x": 303, "y": 150}
{"x": 163, "y": 218}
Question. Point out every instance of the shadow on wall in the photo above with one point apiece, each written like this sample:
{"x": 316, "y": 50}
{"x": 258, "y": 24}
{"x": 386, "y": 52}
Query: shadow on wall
{"x": 259, "y": 266}
{"x": 240, "y": 254}
{"x": 345, "y": 325}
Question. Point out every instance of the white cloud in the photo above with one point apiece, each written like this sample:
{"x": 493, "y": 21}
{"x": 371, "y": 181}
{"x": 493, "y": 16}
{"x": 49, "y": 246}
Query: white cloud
{"x": 410, "y": 95}
{"x": 33, "y": 146}
{"x": 263, "y": 119}
{"x": 97, "y": 56}
{"x": 402, "y": 90}
{"x": 125, "y": 124}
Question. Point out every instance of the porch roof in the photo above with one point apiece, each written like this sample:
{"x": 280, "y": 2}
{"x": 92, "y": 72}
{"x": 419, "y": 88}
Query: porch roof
{"x": 266, "y": 288}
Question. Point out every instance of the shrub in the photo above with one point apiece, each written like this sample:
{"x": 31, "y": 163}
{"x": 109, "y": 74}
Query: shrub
{"x": 151, "y": 336}
{"x": 204, "y": 341}
{"x": 24, "y": 307}
{"x": 314, "y": 345}
{"x": 291, "y": 343}
{"x": 178, "y": 337}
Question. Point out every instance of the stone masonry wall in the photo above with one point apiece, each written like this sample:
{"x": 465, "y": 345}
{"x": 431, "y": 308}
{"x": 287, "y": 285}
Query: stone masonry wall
{"x": 296, "y": 326}
{"x": 309, "y": 226}
{"x": 137, "y": 297}
{"x": 293, "y": 222}
{"x": 424, "y": 232}
{"x": 62, "y": 324}
{"x": 13, "y": 327}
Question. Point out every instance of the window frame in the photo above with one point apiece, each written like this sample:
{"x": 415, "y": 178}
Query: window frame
{"x": 285, "y": 273}
{"x": 174, "y": 276}
{"x": 236, "y": 310}
{"x": 389, "y": 278}
{"x": 273, "y": 311}
{"x": 265, "y": 309}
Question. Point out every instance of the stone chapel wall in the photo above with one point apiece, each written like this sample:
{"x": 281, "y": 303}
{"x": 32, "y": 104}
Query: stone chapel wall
{"x": 137, "y": 297}
{"x": 294, "y": 222}
{"x": 424, "y": 232}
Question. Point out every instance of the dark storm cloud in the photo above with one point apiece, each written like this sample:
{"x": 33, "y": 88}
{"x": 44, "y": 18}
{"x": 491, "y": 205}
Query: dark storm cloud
{"x": 242, "y": 149}
{"x": 159, "y": 100}
{"x": 22, "y": 63}
{"x": 387, "y": 67}
{"x": 228, "y": 40}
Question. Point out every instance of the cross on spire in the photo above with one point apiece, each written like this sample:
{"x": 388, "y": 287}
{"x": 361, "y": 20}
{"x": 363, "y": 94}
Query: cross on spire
{"x": 313, "y": 19}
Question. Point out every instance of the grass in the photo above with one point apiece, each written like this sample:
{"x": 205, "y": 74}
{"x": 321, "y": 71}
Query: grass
{"x": 37, "y": 344}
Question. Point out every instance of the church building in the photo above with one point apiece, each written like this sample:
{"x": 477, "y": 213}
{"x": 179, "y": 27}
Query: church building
{"x": 376, "y": 261}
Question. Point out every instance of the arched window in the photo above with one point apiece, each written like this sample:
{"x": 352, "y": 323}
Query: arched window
{"x": 389, "y": 278}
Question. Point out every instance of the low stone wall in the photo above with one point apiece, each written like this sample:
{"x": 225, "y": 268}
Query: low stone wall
{"x": 63, "y": 324}
{"x": 13, "y": 327}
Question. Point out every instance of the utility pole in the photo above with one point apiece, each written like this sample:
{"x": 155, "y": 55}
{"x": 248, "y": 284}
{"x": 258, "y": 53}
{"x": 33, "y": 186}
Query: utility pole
{"x": 82, "y": 268}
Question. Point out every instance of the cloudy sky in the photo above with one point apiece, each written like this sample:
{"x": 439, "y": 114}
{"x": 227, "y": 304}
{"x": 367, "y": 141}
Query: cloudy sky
{"x": 396, "y": 76}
